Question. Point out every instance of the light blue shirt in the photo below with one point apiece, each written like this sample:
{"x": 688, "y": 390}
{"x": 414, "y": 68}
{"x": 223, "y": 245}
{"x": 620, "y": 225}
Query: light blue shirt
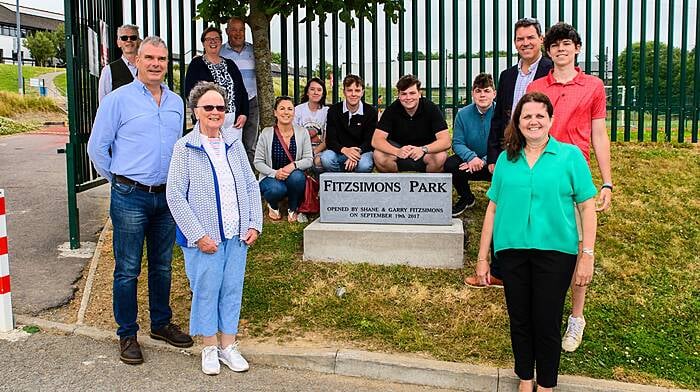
{"x": 523, "y": 80}
{"x": 139, "y": 133}
{"x": 245, "y": 61}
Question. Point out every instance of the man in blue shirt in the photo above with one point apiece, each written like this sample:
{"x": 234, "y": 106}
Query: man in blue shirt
{"x": 241, "y": 52}
{"x": 130, "y": 145}
{"x": 469, "y": 142}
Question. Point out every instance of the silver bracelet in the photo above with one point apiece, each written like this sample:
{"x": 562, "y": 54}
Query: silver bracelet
{"x": 588, "y": 251}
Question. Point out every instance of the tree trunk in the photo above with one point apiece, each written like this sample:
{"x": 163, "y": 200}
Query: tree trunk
{"x": 260, "y": 26}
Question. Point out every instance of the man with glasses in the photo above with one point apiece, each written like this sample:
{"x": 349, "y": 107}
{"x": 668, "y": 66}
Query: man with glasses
{"x": 130, "y": 145}
{"x": 123, "y": 70}
{"x": 511, "y": 87}
{"x": 241, "y": 52}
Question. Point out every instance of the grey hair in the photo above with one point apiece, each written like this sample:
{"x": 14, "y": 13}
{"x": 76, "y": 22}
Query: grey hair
{"x": 153, "y": 41}
{"x": 129, "y": 27}
{"x": 202, "y": 88}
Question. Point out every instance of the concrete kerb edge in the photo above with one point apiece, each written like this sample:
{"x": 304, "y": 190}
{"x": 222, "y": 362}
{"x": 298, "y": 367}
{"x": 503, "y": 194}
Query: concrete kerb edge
{"x": 87, "y": 291}
{"x": 356, "y": 363}
{"x": 387, "y": 367}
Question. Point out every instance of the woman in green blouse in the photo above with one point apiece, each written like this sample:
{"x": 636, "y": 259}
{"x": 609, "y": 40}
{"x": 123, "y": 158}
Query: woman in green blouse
{"x": 537, "y": 184}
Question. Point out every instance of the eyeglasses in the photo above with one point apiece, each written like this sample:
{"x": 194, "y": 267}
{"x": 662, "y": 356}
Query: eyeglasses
{"x": 209, "y": 108}
{"x": 214, "y": 39}
{"x": 129, "y": 37}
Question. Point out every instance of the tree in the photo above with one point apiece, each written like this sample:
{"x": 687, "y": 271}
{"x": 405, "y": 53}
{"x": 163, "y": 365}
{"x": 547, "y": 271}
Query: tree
{"x": 59, "y": 40}
{"x": 260, "y": 12}
{"x": 41, "y": 46}
{"x": 663, "y": 90}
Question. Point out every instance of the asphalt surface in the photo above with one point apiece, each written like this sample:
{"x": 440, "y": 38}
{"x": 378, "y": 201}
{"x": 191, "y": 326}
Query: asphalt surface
{"x": 48, "y": 362}
{"x": 33, "y": 176}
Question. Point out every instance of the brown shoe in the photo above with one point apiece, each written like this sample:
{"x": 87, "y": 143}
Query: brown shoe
{"x": 473, "y": 282}
{"x": 172, "y": 335}
{"x": 130, "y": 351}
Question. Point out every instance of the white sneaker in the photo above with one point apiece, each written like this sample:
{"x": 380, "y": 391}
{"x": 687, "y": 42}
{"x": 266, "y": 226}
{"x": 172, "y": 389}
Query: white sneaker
{"x": 210, "y": 360}
{"x": 231, "y": 357}
{"x": 574, "y": 334}
{"x": 301, "y": 218}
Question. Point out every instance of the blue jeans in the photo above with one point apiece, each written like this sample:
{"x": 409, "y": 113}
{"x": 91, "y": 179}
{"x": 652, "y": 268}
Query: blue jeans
{"x": 217, "y": 287}
{"x": 138, "y": 215}
{"x": 274, "y": 190}
{"x": 334, "y": 162}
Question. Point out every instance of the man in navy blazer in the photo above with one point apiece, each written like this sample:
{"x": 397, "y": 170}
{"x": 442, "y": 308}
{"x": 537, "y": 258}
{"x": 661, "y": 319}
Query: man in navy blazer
{"x": 514, "y": 81}
{"x": 511, "y": 87}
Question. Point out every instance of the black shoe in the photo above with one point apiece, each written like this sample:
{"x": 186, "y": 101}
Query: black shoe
{"x": 172, "y": 334}
{"x": 130, "y": 351}
{"x": 462, "y": 204}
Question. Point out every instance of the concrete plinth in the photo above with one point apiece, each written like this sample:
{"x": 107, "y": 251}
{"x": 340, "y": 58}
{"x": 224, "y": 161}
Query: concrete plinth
{"x": 413, "y": 245}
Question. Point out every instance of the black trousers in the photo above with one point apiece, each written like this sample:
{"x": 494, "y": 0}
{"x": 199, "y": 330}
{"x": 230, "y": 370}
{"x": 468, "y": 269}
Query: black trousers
{"x": 461, "y": 178}
{"x": 535, "y": 284}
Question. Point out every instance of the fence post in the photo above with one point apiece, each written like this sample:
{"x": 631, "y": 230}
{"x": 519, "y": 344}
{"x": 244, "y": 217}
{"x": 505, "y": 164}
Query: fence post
{"x": 6, "y": 322}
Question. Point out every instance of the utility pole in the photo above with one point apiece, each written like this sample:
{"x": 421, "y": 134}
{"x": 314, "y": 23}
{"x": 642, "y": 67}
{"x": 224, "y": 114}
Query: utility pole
{"x": 20, "y": 79}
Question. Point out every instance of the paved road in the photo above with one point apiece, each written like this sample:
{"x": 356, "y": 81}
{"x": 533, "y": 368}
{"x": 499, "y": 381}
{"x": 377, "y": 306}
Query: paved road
{"x": 46, "y": 362}
{"x": 33, "y": 176}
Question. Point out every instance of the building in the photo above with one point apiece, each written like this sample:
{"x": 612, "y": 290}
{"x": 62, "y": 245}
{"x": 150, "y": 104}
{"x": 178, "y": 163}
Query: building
{"x": 31, "y": 20}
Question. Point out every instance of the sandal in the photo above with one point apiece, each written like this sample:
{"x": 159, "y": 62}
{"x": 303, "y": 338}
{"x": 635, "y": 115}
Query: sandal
{"x": 274, "y": 214}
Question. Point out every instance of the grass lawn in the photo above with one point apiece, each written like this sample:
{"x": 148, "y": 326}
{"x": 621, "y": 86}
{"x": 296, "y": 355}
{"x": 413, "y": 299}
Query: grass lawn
{"x": 8, "y": 76}
{"x": 61, "y": 83}
{"x": 643, "y": 308}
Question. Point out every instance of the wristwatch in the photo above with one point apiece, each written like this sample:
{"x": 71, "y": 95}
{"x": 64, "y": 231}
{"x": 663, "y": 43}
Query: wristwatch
{"x": 424, "y": 149}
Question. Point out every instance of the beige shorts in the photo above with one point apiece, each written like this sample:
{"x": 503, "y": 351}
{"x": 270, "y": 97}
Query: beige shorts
{"x": 579, "y": 225}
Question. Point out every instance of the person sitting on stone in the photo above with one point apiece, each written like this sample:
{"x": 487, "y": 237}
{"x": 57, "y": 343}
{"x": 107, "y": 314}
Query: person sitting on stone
{"x": 281, "y": 156}
{"x": 349, "y": 128}
{"x": 311, "y": 114}
{"x": 412, "y": 134}
{"x": 469, "y": 142}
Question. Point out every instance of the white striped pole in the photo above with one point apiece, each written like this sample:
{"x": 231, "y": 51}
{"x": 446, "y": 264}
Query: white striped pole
{"x": 6, "y": 322}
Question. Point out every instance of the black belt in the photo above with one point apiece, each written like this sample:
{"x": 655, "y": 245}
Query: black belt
{"x": 148, "y": 188}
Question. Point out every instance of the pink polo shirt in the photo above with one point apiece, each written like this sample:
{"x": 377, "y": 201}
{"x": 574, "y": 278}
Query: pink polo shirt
{"x": 576, "y": 104}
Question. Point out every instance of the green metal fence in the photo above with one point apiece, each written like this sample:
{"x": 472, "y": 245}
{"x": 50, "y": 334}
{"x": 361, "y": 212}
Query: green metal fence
{"x": 654, "y": 90}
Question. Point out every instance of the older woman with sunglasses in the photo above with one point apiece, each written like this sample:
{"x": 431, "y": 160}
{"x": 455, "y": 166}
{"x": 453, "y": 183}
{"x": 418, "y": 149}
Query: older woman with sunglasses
{"x": 211, "y": 67}
{"x": 215, "y": 200}
{"x": 281, "y": 156}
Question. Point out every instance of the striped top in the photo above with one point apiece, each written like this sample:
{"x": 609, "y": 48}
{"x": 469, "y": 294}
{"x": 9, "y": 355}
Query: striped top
{"x": 245, "y": 60}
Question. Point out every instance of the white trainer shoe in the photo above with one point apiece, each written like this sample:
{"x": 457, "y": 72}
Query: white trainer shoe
{"x": 574, "y": 334}
{"x": 301, "y": 218}
{"x": 210, "y": 360}
{"x": 231, "y": 357}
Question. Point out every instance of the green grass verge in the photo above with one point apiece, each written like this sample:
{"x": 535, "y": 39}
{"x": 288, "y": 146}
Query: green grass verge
{"x": 9, "y": 127}
{"x": 61, "y": 84}
{"x": 8, "y": 76}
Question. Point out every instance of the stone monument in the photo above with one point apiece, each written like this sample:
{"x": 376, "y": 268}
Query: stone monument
{"x": 386, "y": 218}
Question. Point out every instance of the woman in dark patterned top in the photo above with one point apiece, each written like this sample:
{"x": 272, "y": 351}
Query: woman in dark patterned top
{"x": 211, "y": 67}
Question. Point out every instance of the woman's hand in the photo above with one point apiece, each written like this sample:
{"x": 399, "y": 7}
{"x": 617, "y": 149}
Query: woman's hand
{"x": 284, "y": 172}
{"x": 483, "y": 271}
{"x": 584, "y": 270}
{"x": 250, "y": 236}
{"x": 206, "y": 245}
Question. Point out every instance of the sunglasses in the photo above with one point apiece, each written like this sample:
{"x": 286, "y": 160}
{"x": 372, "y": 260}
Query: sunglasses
{"x": 209, "y": 108}
{"x": 129, "y": 37}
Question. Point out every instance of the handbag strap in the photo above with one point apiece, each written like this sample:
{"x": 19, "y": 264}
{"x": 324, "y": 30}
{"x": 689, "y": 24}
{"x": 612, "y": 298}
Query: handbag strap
{"x": 284, "y": 145}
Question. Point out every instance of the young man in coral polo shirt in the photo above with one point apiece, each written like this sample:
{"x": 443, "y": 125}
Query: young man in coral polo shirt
{"x": 579, "y": 119}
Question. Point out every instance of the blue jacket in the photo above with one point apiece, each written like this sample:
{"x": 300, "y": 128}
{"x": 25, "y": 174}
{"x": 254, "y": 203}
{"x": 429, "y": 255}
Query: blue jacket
{"x": 193, "y": 189}
{"x": 471, "y": 132}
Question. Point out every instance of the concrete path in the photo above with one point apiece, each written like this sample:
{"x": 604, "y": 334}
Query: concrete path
{"x": 48, "y": 362}
{"x": 52, "y": 91}
{"x": 33, "y": 176}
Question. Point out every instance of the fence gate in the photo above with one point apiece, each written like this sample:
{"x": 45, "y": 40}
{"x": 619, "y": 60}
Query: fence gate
{"x": 85, "y": 24}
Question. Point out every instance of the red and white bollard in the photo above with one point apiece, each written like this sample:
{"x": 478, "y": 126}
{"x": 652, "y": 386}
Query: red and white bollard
{"x": 6, "y": 322}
